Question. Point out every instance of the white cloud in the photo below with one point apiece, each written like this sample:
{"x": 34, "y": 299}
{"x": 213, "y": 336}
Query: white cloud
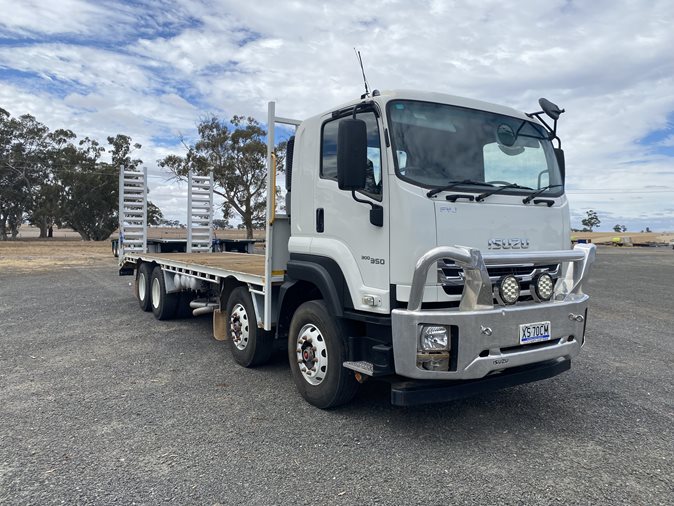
{"x": 64, "y": 16}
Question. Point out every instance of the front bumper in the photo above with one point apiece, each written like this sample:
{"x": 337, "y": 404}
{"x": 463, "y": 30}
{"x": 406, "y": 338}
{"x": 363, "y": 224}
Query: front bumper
{"x": 484, "y": 336}
{"x": 415, "y": 392}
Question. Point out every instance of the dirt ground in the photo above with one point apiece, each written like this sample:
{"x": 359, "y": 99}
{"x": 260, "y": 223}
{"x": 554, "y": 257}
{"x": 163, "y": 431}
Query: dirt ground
{"x": 102, "y": 404}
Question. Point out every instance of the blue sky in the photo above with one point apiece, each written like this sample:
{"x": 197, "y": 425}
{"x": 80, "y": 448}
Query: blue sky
{"x": 152, "y": 69}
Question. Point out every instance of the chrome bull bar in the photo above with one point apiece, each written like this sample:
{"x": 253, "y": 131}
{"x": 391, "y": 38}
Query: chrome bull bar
{"x": 478, "y": 291}
{"x": 487, "y": 338}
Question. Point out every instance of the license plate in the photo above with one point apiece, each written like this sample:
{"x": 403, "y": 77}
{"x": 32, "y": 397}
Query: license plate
{"x": 534, "y": 332}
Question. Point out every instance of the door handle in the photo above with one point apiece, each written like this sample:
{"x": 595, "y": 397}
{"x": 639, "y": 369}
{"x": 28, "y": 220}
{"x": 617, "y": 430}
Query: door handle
{"x": 320, "y": 217}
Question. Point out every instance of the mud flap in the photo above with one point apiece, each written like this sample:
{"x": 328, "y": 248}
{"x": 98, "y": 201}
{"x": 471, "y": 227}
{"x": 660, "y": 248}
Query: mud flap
{"x": 219, "y": 325}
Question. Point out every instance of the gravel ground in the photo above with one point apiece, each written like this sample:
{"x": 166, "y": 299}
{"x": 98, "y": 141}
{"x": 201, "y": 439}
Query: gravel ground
{"x": 100, "y": 403}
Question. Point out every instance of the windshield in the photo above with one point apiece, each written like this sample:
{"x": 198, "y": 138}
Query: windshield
{"x": 436, "y": 144}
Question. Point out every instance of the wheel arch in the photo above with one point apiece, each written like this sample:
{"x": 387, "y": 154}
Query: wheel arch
{"x": 227, "y": 286}
{"x": 311, "y": 278}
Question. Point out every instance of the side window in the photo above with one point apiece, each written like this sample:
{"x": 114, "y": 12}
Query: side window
{"x": 329, "y": 152}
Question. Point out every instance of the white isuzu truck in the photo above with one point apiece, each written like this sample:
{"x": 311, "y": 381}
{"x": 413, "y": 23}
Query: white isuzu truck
{"x": 425, "y": 242}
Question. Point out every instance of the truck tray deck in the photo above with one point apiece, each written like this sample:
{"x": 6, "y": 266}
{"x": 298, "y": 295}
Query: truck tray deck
{"x": 247, "y": 267}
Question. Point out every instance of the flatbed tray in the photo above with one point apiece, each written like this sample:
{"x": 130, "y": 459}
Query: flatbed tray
{"x": 242, "y": 265}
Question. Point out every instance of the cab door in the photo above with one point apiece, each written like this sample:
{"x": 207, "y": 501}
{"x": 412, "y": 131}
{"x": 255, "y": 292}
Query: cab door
{"x": 343, "y": 231}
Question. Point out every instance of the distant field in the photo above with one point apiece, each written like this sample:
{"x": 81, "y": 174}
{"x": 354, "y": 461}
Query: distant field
{"x": 27, "y": 232}
{"x": 636, "y": 237}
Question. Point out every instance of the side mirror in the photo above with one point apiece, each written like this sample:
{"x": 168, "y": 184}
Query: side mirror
{"x": 559, "y": 154}
{"x": 550, "y": 109}
{"x": 351, "y": 154}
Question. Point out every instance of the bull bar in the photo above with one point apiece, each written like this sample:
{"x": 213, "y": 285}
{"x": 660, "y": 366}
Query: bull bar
{"x": 487, "y": 341}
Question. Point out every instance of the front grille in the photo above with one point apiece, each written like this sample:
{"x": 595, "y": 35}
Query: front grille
{"x": 450, "y": 276}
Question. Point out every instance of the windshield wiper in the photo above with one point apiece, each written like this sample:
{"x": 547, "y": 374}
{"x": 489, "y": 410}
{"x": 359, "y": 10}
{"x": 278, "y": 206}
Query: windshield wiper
{"x": 453, "y": 184}
{"x": 486, "y": 194}
{"x": 535, "y": 194}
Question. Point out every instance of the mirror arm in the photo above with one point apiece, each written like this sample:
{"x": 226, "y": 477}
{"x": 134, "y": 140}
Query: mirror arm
{"x": 361, "y": 201}
{"x": 376, "y": 211}
{"x": 552, "y": 130}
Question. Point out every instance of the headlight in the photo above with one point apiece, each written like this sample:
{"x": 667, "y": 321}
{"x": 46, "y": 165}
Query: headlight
{"x": 543, "y": 287}
{"x": 509, "y": 289}
{"x": 434, "y": 338}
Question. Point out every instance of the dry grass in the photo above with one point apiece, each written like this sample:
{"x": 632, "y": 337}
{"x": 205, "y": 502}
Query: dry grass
{"x": 67, "y": 250}
{"x": 51, "y": 254}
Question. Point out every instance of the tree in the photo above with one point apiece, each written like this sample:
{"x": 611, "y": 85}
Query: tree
{"x": 89, "y": 192}
{"x": 154, "y": 215}
{"x": 58, "y": 154}
{"x": 617, "y": 228}
{"x": 89, "y": 200}
{"x": 171, "y": 223}
{"x": 648, "y": 230}
{"x": 23, "y": 143}
{"x": 220, "y": 224}
{"x": 236, "y": 153}
{"x": 592, "y": 220}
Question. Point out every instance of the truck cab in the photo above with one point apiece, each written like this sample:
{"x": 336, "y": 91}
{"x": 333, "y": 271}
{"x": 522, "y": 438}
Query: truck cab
{"x": 436, "y": 230}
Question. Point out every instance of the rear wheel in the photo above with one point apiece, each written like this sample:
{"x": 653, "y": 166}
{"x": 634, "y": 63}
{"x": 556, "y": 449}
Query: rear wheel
{"x": 316, "y": 351}
{"x": 143, "y": 283}
{"x": 250, "y": 344}
{"x": 164, "y": 305}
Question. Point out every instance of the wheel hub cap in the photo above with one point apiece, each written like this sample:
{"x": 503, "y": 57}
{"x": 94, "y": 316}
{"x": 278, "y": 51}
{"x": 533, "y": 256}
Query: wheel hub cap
{"x": 141, "y": 287}
{"x": 156, "y": 293}
{"x": 239, "y": 326}
{"x": 312, "y": 354}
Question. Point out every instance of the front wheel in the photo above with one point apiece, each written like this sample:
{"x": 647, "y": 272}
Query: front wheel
{"x": 316, "y": 351}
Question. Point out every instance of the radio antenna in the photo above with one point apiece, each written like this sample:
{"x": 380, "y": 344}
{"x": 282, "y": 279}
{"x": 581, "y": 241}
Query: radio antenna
{"x": 360, "y": 60}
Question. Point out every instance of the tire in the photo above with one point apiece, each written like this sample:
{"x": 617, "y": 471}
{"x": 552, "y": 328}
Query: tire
{"x": 143, "y": 283}
{"x": 164, "y": 305}
{"x": 249, "y": 344}
{"x": 316, "y": 351}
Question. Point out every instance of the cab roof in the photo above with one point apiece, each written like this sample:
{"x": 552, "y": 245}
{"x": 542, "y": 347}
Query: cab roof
{"x": 441, "y": 98}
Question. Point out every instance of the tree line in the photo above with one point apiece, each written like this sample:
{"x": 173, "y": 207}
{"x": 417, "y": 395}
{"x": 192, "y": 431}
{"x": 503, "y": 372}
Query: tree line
{"x": 53, "y": 179}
